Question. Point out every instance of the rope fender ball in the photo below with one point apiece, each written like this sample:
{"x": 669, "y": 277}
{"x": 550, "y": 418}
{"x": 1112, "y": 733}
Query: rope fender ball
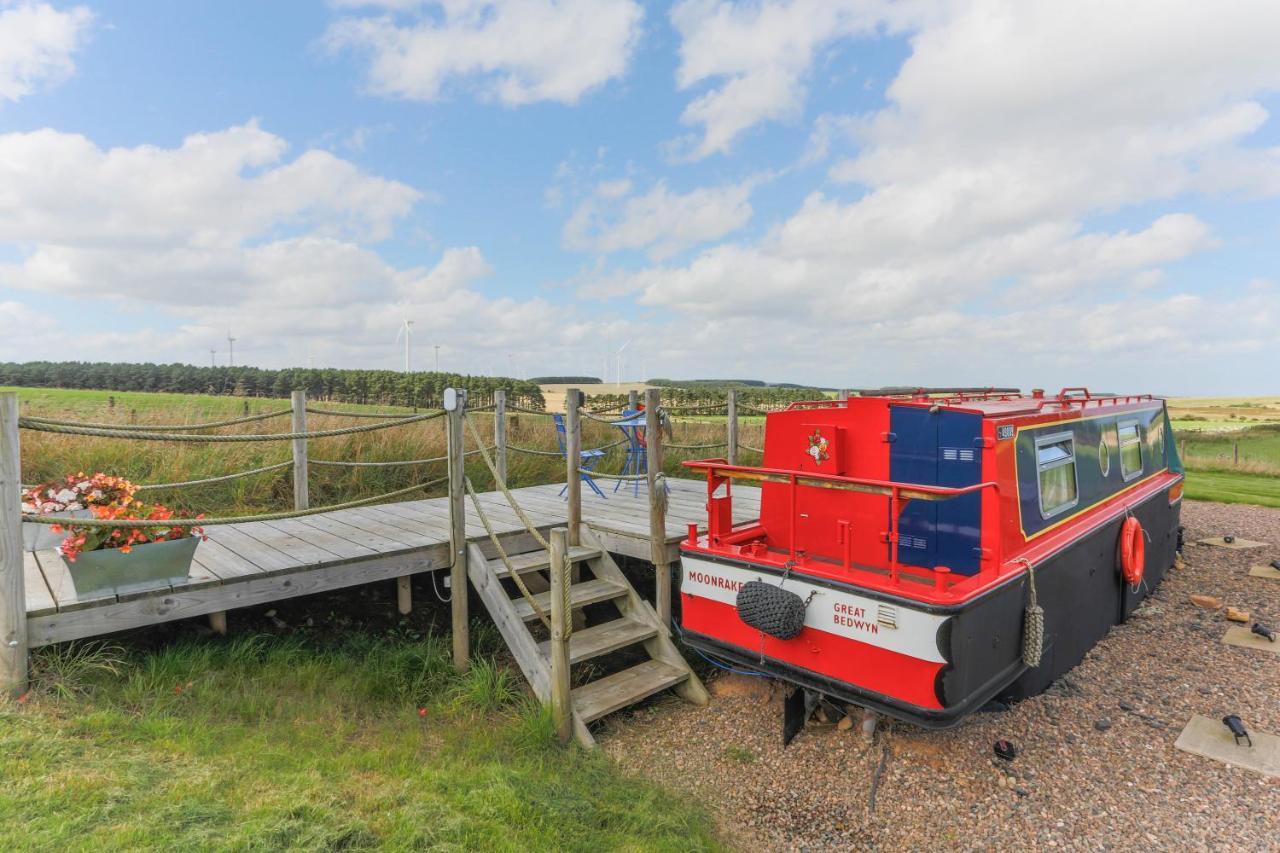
{"x": 771, "y": 609}
{"x": 1132, "y": 551}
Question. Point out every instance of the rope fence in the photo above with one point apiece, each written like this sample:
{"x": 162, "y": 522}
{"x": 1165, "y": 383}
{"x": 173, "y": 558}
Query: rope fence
{"x": 338, "y": 463}
{"x": 339, "y": 414}
{"x": 221, "y": 479}
{"x": 669, "y": 445}
{"x": 742, "y": 446}
{"x": 153, "y": 427}
{"x": 28, "y": 423}
{"x": 129, "y": 523}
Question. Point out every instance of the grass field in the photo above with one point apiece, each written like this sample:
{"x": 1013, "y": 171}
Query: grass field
{"x": 273, "y": 743}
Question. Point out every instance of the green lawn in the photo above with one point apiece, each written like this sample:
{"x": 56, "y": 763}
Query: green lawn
{"x": 1233, "y": 487}
{"x": 269, "y": 743}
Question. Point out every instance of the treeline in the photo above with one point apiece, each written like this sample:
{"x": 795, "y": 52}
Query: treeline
{"x": 766, "y": 397}
{"x": 566, "y": 380}
{"x": 369, "y": 387}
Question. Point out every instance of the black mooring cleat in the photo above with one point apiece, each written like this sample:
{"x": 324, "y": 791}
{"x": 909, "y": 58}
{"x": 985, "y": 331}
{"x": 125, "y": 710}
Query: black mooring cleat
{"x": 1275, "y": 564}
{"x": 1263, "y": 631}
{"x": 1228, "y": 539}
{"x": 1236, "y": 725}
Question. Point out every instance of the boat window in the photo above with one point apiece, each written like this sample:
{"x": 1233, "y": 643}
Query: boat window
{"x": 1056, "y": 467}
{"x": 1104, "y": 458}
{"x": 1130, "y": 450}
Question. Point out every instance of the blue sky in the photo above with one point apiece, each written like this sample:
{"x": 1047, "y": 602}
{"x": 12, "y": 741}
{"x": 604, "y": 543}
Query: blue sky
{"x": 844, "y": 192}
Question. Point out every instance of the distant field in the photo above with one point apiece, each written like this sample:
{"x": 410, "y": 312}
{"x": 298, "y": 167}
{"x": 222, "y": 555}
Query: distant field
{"x": 1222, "y": 413}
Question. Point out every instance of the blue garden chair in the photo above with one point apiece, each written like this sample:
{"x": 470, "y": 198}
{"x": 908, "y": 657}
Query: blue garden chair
{"x": 590, "y": 458}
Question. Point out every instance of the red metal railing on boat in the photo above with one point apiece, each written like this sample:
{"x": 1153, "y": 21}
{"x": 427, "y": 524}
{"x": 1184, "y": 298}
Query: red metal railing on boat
{"x": 720, "y": 509}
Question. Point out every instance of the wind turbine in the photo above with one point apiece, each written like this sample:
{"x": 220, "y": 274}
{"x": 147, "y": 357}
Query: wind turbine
{"x": 437, "y": 346}
{"x": 213, "y": 358}
{"x": 231, "y": 350}
{"x": 620, "y": 349}
{"x": 407, "y": 331}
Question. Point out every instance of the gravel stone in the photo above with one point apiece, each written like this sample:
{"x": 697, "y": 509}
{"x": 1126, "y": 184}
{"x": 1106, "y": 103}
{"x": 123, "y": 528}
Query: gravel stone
{"x": 937, "y": 790}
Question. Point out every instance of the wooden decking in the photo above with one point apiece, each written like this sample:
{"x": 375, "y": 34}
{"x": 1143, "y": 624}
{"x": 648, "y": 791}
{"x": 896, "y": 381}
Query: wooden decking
{"x": 247, "y": 564}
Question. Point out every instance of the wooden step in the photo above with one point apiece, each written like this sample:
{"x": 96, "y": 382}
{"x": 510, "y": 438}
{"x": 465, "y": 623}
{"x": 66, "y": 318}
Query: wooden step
{"x": 583, "y": 594}
{"x": 601, "y": 639}
{"x": 595, "y": 700}
{"x": 536, "y": 561}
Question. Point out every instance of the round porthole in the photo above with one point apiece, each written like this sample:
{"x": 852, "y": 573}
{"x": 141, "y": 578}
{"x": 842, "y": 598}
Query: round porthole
{"x": 1104, "y": 458}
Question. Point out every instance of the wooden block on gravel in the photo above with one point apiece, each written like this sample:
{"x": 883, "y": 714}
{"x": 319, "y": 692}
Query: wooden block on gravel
{"x": 1239, "y": 635}
{"x": 1238, "y": 545}
{"x": 1235, "y": 614}
{"x": 1211, "y": 739}
{"x": 1208, "y": 602}
{"x": 1265, "y": 572}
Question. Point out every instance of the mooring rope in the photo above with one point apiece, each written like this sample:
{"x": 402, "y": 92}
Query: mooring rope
{"x": 115, "y": 523}
{"x": 145, "y": 427}
{"x": 742, "y": 446}
{"x": 533, "y": 452}
{"x": 27, "y": 423}
{"x": 221, "y": 479}
{"x": 1033, "y": 630}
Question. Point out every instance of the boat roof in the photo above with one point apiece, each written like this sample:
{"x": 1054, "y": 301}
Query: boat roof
{"x": 1002, "y": 402}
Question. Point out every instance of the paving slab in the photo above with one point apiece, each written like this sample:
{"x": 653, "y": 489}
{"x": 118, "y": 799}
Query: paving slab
{"x": 1265, "y": 572}
{"x": 1240, "y": 635}
{"x": 1209, "y": 738}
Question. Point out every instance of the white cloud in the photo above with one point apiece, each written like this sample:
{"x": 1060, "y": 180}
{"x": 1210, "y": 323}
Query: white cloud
{"x": 759, "y": 54}
{"x": 1011, "y": 129}
{"x": 515, "y": 51}
{"x": 36, "y": 45}
{"x": 661, "y": 221}
{"x": 224, "y": 232}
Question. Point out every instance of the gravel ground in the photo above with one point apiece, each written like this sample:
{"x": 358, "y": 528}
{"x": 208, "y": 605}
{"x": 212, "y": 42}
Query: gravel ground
{"x": 1096, "y": 768}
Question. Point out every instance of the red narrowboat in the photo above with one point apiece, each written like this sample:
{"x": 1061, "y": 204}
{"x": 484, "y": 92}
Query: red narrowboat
{"x": 921, "y": 552}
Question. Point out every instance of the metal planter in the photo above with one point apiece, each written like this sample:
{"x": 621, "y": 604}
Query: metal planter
{"x": 40, "y": 537}
{"x": 150, "y": 566}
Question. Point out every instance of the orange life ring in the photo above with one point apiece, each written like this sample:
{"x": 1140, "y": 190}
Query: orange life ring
{"x": 1133, "y": 551}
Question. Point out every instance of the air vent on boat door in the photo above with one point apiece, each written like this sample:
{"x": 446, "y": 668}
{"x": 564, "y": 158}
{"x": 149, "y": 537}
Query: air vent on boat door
{"x": 887, "y": 615}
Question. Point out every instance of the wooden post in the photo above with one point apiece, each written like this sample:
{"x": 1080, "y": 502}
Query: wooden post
{"x": 731, "y": 450}
{"x": 404, "y": 595}
{"x": 633, "y": 399}
{"x": 573, "y": 460}
{"x": 458, "y": 530}
{"x": 657, "y": 506}
{"x": 1235, "y": 449}
{"x": 301, "y": 494}
{"x": 561, "y": 709}
{"x": 13, "y": 595}
{"x": 500, "y": 432}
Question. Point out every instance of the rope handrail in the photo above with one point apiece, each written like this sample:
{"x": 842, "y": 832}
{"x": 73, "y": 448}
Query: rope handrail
{"x": 506, "y": 559}
{"x": 27, "y": 423}
{"x": 220, "y": 479}
{"x": 506, "y": 493}
{"x": 116, "y": 523}
{"x": 528, "y": 411}
{"x": 667, "y": 444}
{"x": 338, "y": 463}
{"x": 742, "y": 446}
{"x": 340, "y": 414}
{"x": 755, "y": 410}
{"x": 687, "y": 409}
{"x": 152, "y": 427}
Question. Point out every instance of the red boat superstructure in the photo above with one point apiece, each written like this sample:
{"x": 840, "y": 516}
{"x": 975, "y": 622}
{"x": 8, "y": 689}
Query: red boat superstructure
{"x": 909, "y": 525}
